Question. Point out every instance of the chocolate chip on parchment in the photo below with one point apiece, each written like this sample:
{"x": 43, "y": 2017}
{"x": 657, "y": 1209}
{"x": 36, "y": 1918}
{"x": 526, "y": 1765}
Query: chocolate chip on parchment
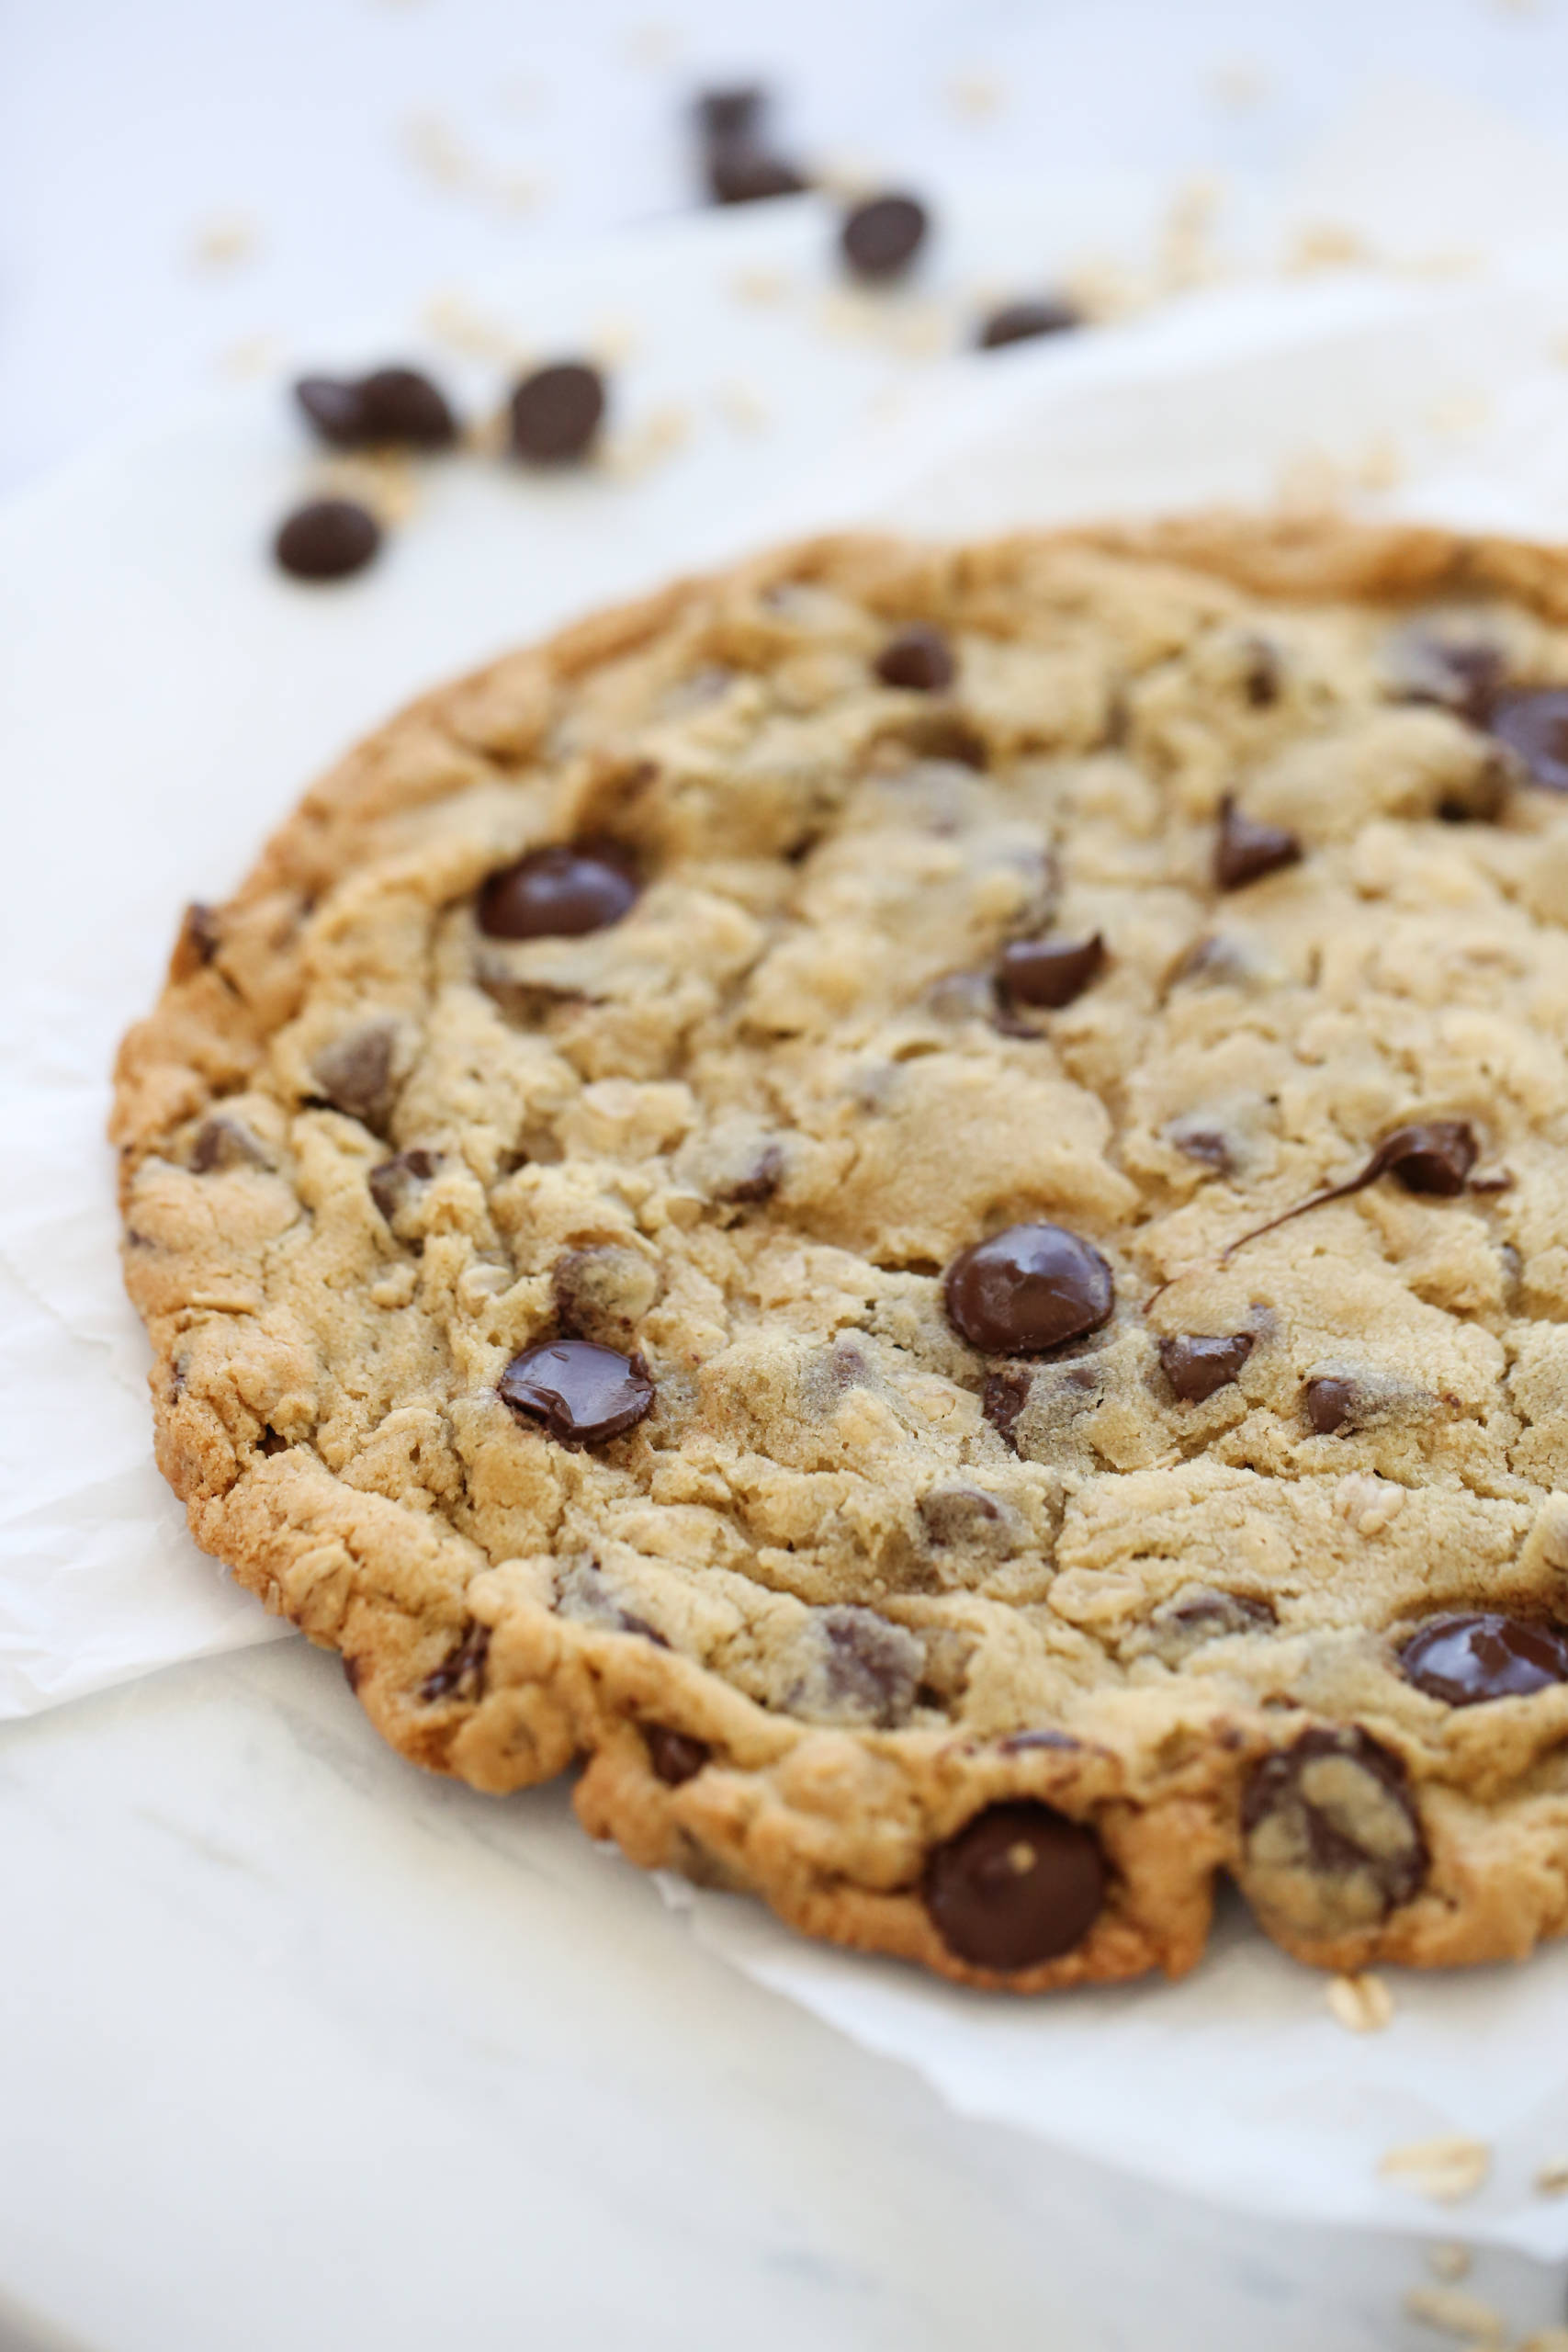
{"x": 1020, "y": 322}
{"x": 390, "y": 405}
{"x": 741, "y": 171}
{"x": 1246, "y": 848}
{"x": 1468, "y": 1659}
{"x": 582, "y": 1393}
{"x": 1535, "y": 726}
{"x": 732, "y": 112}
{"x": 461, "y": 1671}
{"x": 559, "y": 893}
{"x": 1196, "y": 1365}
{"x": 675, "y": 1755}
{"x": 557, "y": 412}
{"x": 1332, "y": 1840}
{"x": 1050, "y": 972}
{"x": 880, "y": 237}
{"x": 1031, "y": 1287}
{"x": 1017, "y": 1884}
{"x": 327, "y": 539}
{"x": 918, "y": 657}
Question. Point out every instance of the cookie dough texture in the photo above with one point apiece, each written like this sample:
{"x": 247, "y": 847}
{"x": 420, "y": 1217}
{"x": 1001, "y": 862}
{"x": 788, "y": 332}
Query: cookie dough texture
{"x": 851, "y": 1582}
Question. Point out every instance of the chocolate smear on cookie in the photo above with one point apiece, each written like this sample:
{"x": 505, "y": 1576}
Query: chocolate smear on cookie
{"x": 1434, "y": 1156}
{"x": 582, "y": 1393}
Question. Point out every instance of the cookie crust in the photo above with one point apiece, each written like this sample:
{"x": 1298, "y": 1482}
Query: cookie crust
{"x": 1156, "y": 1599}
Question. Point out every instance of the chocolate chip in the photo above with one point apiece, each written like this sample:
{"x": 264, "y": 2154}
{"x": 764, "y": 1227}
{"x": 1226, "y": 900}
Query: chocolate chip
{"x": 1246, "y": 848}
{"x": 1020, "y": 322}
{"x": 739, "y": 171}
{"x": 967, "y": 1518}
{"x": 557, "y": 893}
{"x": 1050, "y": 972}
{"x": 1191, "y": 1618}
{"x": 1433, "y": 1156}
{"x": 601, "y": 1293}
{"x": 354, "y": 1072}
{"x": 1262, "y": 673}
{"x": 1458, "y": 674}
{"x": 1017, "y": 1884}
{"x": 1196, "y": 1365}
{"x": 271, "y": 1443}
{"x": 1210, "y": 1147}
{"x": 730, "y": 113}
{"x": 327, "y": 539}
{"x": 556, "y": 412}
{"x": 333, "y": 406}
{"x": 392, "y": 405}
{"x": 758, "y": 1182}
{"x": 1465, "y": 1659}
{"x": 675, "y": 1755}
{"x": 461, "y": 1672}
{"x": 199, "y": 942}
{"x": 1003, "y": 1399}
{"x": 225, "y": 1142}
{"x": 350, "y": 1670}
{"x": 397, "y": 1182}
{"x": 918, "y": 657}
{"x": 581, "y": 1391}
{"x": 880, "y": 238}
{"x": 1331, "y": 1404}
{"x": 937, "y": 734}
{"x": 1031, "y": 1287}
{"x": 856, "y": 1667}
{"x": 1332, "y": 1840}
{"x": 1019, "y": 1743}
{"x": 1535, "y": 726}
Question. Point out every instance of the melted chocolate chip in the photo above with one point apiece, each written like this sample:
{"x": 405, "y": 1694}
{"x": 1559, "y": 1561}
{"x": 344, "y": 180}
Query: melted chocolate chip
{"x": 1457, "y": 675}
{"x": 557, "y": 893}
{"x": 1332, "y": 1840}
{"x": 392, "y": 405}
{"x": 1031, "y": 1287}
{"x": 675, "y": 1755}
{"x": 461, "y": 1672}
{"x": 1050, "y": 972}
{"x": 1467, "y": 1660}
{"x": 355, "y": 1073}
{"x": 581, "y": 1391}
{"x": 1196, "y": 1365}
{"x": 1019, "y": 1884}
{"x": 224, "y": 1142}
{"x": 862, "y": 1668}
{"x": 1535, "y": 726}
{"x": 557, "y": 412}
{"x": 1020, "y": 322}
{"x": 880, "y": 238}
{"x": 398, "y": 1181}
{"x": 1246, "y": 848}
{"x": 1003, "y": 1399}
{"x": 327, "y": 539}
{"x": 1434, "y": 1156}
{"x": 918, "y": 657}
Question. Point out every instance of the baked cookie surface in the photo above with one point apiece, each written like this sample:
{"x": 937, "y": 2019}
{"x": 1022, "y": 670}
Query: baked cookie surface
{"x": 702, "y": 1210}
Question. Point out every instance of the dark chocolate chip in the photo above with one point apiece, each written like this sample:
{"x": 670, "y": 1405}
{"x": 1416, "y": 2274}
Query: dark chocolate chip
{"x": 557, "y": 412}
{"x": 1247, "y": 849}
{"x": 1464, "y": 675}
{"x": 1210, "y": 1147}
{"x": 557, "y": 893}
{"x": 333, "y": 406}
{"x": 675, "y": 1755}
{"x": 1050, "y": 972}
{"x": 461, "y": 1671}
{"x": 1020, "y": 322}
{"x": 866, "y": 1670}
{"x": 1535, "y": 726}
{"x": 1018, "y": 1743}
{"x": 1031, "y": 1287}
{"x": 199, "y": 939}
{"x": 1332, "y": 1840}
{"x": 354, "y": 1072}
{"x": 1196, "y": 1365}
{"x": 1331, "y": 1404}
{"x": 918, "y": 657}
{"x": 1003, "y": 1399}
{"x": 327, "y": 539}
{"x": 271, "y": 1443}
{"x": 225, "y": 1142}
{"x": 730, "y": 113}
{"x": 741, "y": 171}
{"x": 581, "y": 1391}
{"x": 880, "y": 238}
{"x": 1432, "y": 1156}
{"x": 1465, "y": 1659}
{"x": 402, "y": 405}
{"x": 399, "y": 1181}
{"x": 1017, "y": 1884}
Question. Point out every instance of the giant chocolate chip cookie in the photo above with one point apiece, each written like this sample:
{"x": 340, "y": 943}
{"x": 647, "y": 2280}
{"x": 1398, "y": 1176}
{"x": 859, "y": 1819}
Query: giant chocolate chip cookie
{"x": 918, "y": 1200}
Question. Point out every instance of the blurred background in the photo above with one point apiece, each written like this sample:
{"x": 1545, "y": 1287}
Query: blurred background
{"x": 191, "y": 194}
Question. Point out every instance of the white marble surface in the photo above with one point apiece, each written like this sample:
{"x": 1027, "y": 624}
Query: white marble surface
{"x": 305, "y": 2049}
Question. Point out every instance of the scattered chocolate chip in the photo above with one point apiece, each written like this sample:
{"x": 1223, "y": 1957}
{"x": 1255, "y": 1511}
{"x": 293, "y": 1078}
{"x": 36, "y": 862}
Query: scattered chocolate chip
{"x": 271, "y": 1443}
{"x": 1003, "y": 1399}
{"x": 327, "y": 539}
{"x": 1330, "y": 1404}
{"x": 557, "y": 412}
{"x": 1031, "y": 1287}
{"x": 1050, "y": 972}
{"x": 1196, "y": 1365}
{"x": 675, "y": 1755}
{"x": 559, "y": 893}
{"x": 350, "y": 1670}
{"x": 225, "y": 1142}
{"x": 1433, "y": 1156}
{"x": 397, "y": 405}
{"x": 856, "y": 1668}
{"x": 730, "y": 113}
{"x": 461, "y": 1672}
{"x": 967, "y": 1518}
{"x": 581, "y": 1391}
{"x": 880, "y": 238}
{"x": 741, "y": 171}
{"x": 918, "y": 657}
{"x": 1017, "y": 1884}
{"x": 1246, "y": 848}
{"x": 1019, "y": 1743}
{"x": 1332, "y": 1840}
{"x": 601, "y": 1293}
{"x": 396, "y": 1183}
{"x": 354, "y": 1072}
{"x": 1020, "y": 322}
{"x": 1464, "y": 675}
{"x": 1535, "y": 726}
{"x": 1465, "y": 1659}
